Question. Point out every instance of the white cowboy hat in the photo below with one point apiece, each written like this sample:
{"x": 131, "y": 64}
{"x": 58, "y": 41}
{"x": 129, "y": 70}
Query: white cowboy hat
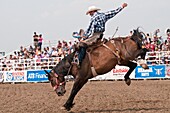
{"x": 92, "y": 8}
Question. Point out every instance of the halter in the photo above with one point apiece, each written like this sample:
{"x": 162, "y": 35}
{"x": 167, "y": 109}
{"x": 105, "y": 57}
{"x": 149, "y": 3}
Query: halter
{"x": 57, "y": 82}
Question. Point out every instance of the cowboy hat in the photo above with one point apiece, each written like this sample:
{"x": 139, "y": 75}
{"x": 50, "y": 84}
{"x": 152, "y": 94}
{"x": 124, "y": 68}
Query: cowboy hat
{"x": 92, "y": 8}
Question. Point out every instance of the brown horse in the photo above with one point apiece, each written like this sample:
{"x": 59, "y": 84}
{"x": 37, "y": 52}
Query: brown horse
{"x": 100, "y": 59}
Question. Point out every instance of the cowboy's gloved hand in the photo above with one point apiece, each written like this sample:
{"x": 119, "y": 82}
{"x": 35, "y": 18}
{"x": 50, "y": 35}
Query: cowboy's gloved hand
{"x": 124, "y": 5}
{"x": 84, "y": 38}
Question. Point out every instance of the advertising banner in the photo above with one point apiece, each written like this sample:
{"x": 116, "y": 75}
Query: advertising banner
{"x": 14, "y": 76}
{"x": 120, "y": 71}
{"x": 1, "y": 76}
{"x": 117, "y": 73}
{"x": 167, "y": 71}
{"x": 156, "y": 71}
{"x": 37, "y": 76}
{"x": 107, "y": 76}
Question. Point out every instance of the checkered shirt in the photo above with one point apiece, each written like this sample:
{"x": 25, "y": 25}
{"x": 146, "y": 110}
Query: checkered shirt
{"x": 98, "y": 20}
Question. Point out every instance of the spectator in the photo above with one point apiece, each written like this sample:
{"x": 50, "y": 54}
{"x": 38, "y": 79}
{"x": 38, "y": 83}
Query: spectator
{"x": 45, "y": 55}
{"x": 35, "y": 38}
{"x": 147, "y": 46}
{"x": 15, "y": 56}
{"x": 40, "y": 41}
{"x": 164, "y": 46}
{"x": 168, "y": 35}
{"x": 65, "y": 47}
{"x": 48, "y": 50}
{"x": 148, "y": 38}
{"x": 152, "y": 46}
{"x": 21, "y": 50}
{"x": 157, "y": 33}
{"x": 60, "y": 51}
{"x": 70, "y": 46}
{"x": 59, "y": 44}
{"x": 37, "y": 52}
{"x": 54, "y": 52}
{"x": 168, "y": 31}
{"x": 31, "y": 50}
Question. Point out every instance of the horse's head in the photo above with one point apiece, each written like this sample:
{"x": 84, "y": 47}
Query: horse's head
{"x": 138, "y": 37}
{"x": 57, "y": 82}
{"x": 57, "y": 75}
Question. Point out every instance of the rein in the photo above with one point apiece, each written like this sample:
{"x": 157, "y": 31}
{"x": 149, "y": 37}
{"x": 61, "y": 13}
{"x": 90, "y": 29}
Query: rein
{"x": 57, "y": 82}
{"x": 69, "y": 70}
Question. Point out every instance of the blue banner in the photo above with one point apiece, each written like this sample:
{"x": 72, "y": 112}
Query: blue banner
{"x": 37, "y": 76}
{"x": 156, "y": 71}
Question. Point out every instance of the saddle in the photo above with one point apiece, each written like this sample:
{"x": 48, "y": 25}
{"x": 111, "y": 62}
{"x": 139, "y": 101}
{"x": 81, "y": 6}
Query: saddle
{"x": 89, "y": 48}
{"x": 98, "y": 43}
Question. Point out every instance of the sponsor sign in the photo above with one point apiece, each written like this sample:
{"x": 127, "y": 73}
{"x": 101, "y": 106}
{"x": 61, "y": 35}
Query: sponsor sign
{"x": 117, "y": 73}
{"x": 156, "y": 71}
{"x": 168, "y": 72}
{"x": 14, "y": 76}
{"x": 1, "y": 76}
{"x": 37, "y": 76}
{"x": 107, "y": 76}
{"x": 120, "y": 71}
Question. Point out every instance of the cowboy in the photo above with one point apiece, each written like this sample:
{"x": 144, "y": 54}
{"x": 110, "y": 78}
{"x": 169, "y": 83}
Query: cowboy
{"x": 96, "y": 27}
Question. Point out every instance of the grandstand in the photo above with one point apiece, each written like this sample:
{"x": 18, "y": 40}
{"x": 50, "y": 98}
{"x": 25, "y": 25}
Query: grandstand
{"x": 28, "y": 58}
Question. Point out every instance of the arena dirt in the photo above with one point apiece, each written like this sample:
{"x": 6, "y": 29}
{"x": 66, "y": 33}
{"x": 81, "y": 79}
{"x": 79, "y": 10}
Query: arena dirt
{"x": 144, "y": 96}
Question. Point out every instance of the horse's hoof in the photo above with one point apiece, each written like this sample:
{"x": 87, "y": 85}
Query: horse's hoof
{"x": 144, "y": 66}
{"x": 67, "y": 107}
{"x": 64, "y": 108}
{"x": 128, "y": 82}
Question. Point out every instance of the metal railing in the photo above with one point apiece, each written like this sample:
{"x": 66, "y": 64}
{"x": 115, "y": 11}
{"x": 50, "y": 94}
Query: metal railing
{"x": 29, "y": 64}
{"x": 158, "y": 57}
{"x": 152, "y": 58}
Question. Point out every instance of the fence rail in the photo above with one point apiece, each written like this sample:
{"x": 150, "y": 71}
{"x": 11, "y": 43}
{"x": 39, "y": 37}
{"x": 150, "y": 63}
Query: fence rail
{"x": 29, "y": 64}
{"x": 158, "y": 57}
{"x": 152, "y": 58}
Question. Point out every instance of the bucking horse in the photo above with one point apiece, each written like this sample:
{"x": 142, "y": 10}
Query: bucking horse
{"x": 100, "y": 59}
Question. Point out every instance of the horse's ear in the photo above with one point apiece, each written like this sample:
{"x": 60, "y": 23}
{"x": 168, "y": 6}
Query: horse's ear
{"x": 47, "y": 73}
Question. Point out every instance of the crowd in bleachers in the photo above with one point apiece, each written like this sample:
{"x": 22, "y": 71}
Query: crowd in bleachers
{"x": 157, "y": 44}
{"x": 23, "y": 58}
{"x": 49, "y": 55}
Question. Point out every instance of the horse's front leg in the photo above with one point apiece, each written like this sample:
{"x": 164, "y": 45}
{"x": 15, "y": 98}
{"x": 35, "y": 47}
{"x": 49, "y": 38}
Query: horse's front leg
{"x": 78, "y": 84}
{"x": 131, "y": 66}
{"x": 142, "y": 54}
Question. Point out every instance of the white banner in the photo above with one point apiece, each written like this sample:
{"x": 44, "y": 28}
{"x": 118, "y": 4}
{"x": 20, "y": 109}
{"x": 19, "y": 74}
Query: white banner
{"x": 1, "y": 76}
{"x": 120, "y": 71}
{"x": 15, "y": 76}
{"x": 117, "y": 73}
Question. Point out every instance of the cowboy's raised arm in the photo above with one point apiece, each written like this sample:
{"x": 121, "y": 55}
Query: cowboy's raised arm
{"x": 112, "y": 13}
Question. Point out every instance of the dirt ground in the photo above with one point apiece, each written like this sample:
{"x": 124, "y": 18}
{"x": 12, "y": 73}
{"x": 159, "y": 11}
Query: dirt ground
{"x": 144, "y": 96}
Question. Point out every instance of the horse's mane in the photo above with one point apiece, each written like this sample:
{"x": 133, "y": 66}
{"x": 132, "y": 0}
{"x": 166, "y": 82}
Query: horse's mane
{"x": 136, "y": 32}
{"x": 138, "y": 36}
{"x": 61, "y": 67}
